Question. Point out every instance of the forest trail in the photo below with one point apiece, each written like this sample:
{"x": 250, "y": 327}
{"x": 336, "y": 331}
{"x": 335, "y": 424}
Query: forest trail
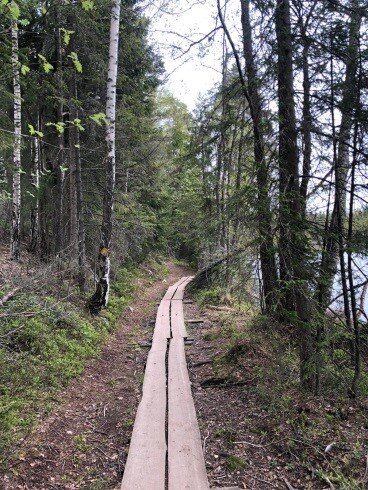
{"x": 166, "y": 448}
{"x": 84, "y": 441}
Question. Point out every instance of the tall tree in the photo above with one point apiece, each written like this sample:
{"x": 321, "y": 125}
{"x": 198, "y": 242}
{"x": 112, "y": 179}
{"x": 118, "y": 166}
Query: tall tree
{"x": 292, "y": 242}
{"x": 267, "y": 253}
{"x": 101, "y": 296}
{"x": 17, "y": 110}
{"x": 341, "y": 167}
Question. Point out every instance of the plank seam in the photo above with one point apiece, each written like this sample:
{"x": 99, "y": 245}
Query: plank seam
{"x": 167, "y": 416}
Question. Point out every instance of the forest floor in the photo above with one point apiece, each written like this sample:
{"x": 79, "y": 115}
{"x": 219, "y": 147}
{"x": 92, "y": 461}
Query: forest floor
{"x": 258, "y": 430}
{"x": 84, "y": 442}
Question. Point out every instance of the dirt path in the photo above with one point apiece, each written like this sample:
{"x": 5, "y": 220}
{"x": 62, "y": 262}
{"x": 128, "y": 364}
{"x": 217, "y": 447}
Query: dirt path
{"x": 83, "y": 444}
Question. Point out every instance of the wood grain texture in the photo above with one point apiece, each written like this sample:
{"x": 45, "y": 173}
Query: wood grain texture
{"x": 179, "y": 293}
{"x": 162, "y": 324}
{"x": 178, "y": 329}
{"x": 186, "y": 468}
{"x": 172, "y": 289}
{"x": 146, "y": 464}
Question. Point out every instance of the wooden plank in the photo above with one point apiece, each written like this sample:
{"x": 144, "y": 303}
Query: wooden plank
{"x": 146, "y": 464}
{"x": 172, "y": 289}
{"x": 162, "y": 324}
{"x": 186, "y": 466}
{"x": 178, "y": 329}
{"x": 179, "y": 293}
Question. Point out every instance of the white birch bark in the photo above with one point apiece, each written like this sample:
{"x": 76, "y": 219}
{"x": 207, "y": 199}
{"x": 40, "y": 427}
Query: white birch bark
{"x": 35, "y": 212}
{"x": 101, "y": 295}
{"x": 17, "y": 107}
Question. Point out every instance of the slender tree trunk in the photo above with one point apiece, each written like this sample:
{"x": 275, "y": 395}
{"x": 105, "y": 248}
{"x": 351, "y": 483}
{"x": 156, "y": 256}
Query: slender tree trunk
{"x": 307, "y": 122}
{"x": 80, "y": 220}
{"x": 292, "y": 223}
{"x": 267, "y": 254}
{"x": 354, "y": 310}
{"x": 59, "y": 229}
{"x": 77, "y": 204}
{"x": 17, "y": 107}
{"x": 330, "y": 254}
{"x": 34, "y": 243}
{"x": 101, "y": 296}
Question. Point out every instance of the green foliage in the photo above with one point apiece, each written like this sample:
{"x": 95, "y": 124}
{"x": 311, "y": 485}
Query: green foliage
{"x": 360, "y": 233}
{"x": 99, "y": 118}
{"x": 41, "y": 353}
{"x": 77, "y": 64}
{"x": 66, "y": 35}
{"x": 88, "y": 5}
{"x": 213, "y": 296}
{"x": 34, "y": 132}
{"x": 234, "y": 463}
{"x": 46, "y": 65}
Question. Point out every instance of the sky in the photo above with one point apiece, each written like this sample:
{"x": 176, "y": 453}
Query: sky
{"x": 174, "y": 27}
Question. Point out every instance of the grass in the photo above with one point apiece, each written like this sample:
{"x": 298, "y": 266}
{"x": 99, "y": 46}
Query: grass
{"x": 42, "y": 352}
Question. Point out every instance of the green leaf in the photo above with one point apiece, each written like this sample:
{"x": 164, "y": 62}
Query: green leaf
{"x": 66, "y": 35}
{"x": 63, "y": 169}
{"x": 14, "y": 9}
{"x": 77, "y": 64}
{"x": 99, "y": 118}
{"x": 47, "y": 67}
{"x": 77, "y": 123}
{"x": 34, "y": 132}
{"x": 24, "y": 22}
{"x": 59, "y": 126}
{"x": 87, "y": 5}
{"x": 24, "y": 69}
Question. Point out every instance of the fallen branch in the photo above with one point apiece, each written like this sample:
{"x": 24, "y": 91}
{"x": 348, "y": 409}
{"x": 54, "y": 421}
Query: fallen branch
{"x": 288, "y": 484}
{"x": 220, "y": 308}
{"x": 201, "y": 363}
{"x": 8, "y": 296}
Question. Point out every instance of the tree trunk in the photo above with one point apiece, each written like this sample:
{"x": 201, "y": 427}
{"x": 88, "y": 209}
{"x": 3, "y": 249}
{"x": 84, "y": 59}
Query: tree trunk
{"x": 101, "y": 296}
{"x": 59, "y": 229}
{"x": 34, "y": 243}
{"x": 307, "y": 122}
{"x": 17, "y": 107}
{"x": 76, "y": 194}
{"x": 331, "y": 252}
{"x": 267, "y": 255}
{"x": 292, "y": 251}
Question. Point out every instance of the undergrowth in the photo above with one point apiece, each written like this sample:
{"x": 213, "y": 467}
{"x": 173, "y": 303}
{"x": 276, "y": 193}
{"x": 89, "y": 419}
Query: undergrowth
{"x": 45, "y": 342}
{"x": 262, "y": 355}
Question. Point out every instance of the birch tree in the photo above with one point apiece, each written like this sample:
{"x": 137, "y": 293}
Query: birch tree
{"x": 17, "y": 109}
{"x": 101, "y": 296}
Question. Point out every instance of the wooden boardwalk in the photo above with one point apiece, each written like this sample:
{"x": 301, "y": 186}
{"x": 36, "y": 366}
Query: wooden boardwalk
{"x": 166, "y": 450}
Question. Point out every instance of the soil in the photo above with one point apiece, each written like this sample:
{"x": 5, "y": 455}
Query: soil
{"x": 235, "y": 456}
{"x": 84, "y": 442}
{"x": 245, "y": 445}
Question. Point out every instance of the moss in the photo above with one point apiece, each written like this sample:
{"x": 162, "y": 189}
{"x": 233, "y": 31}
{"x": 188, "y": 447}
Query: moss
{"x": 41, "y": 353}
{"x": 213, "y": 296}
{"x": 234, "y": 463}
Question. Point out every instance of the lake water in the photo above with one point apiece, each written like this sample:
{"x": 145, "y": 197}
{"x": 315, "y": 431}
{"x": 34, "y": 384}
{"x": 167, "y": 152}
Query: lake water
{"x": 360, "y": 267}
